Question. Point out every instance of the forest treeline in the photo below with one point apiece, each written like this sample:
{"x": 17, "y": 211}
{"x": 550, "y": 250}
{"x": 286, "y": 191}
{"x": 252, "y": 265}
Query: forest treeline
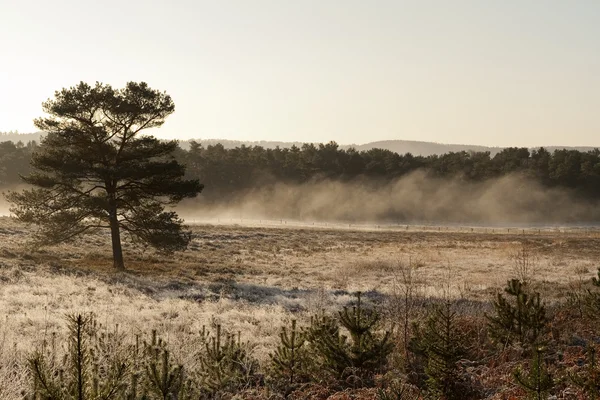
{"x": 230, "y": 171}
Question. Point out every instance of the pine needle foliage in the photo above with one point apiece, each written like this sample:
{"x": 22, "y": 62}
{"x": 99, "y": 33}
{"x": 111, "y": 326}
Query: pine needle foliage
{"x": 591, "y": 300}
{"x": 226, "y": 364}
{"x": 95, "y": 169}
{"x": 588, "y": 379}
{"x": 77, "y": 376}
{"x": 111, "y": 362}
{"x": 538, "y": 381}
{"x": 164, "y": 379}
{"x": 361, "y": 354}
{"x": 443, "y": 345}
{"x": 322, "y": 333}
{"x": 289, "y": 359}
{"x": 520, "y": 316}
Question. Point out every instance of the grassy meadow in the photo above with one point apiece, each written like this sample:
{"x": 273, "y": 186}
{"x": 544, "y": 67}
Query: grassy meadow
{"x": 253, "y": 279}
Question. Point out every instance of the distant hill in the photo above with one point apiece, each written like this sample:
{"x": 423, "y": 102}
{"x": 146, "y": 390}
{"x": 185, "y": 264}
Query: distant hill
{"x": 424, "y": 148}
{"x": 397, "y": 146}
{"x": 230, "y": 144}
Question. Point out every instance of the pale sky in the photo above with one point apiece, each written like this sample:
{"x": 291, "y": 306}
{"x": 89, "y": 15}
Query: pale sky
{"x": 501, "y": 73}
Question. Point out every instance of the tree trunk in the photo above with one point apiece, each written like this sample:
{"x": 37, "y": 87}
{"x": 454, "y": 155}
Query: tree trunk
{"x": 115, "y": 234}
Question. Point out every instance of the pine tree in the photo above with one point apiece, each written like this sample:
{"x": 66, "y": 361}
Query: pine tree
{"x": 111, "y": 362}
{"x": 226, "y": 364}
{"x": 442, "y": 345}
{"x": 591, "y": 300}
{"x": 94, "y": 169}
{"x": 537, "y": 382}
{"x": 520, "y": 318}
{"x": 589, "y": 378}
{"x": 77, "y": 376}
{"x": 322, "y": 335}
{"x": 365, "y": 353}
{"x": 163, "y": 378}
{"x": 289, "y": 357}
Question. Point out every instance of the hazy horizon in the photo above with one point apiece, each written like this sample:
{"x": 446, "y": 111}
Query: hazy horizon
{"x": 466, "y": 72}
{"x": 343, "y": 144}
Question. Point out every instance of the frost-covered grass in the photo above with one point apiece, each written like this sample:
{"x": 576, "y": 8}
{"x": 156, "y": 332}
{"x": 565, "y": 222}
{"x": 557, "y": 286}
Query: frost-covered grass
{"x": 253, "y": 280}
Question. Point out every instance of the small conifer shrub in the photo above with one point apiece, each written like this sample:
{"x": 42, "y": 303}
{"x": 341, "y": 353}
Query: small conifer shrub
{"x": 442, "y": 344}
{"x": 289, "y": 359}
{"x": 77, "y": 375}
{"x": 591, "y": 300}
{"x": 360, "y": 355}
{"x": 163, "y": 379}
{"x": 538, "y": 381}
{"x": 588, "y": 378}
{"x": 226, "y": 364}
{"x": 520, "y": 317}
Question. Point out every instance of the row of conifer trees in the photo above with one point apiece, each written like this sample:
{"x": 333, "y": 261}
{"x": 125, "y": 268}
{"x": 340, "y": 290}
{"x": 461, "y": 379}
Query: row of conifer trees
{"x": 227, "y": 171}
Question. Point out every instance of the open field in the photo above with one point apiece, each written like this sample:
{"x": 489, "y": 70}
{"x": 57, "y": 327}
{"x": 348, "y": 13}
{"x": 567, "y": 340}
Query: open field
{"x": 254, "y": 279}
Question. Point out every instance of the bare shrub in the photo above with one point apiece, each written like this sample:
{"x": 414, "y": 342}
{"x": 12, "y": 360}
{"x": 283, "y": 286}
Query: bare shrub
{"x": 525, "y": 262}
{"x": 403, "y": 304}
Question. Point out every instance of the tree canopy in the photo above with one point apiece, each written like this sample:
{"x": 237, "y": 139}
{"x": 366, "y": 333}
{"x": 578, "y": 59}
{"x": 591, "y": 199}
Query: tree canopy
{"x": 95, "y": 169}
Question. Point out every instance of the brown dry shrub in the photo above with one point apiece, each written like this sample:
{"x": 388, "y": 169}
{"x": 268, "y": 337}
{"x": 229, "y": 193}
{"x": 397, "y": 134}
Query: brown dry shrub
{"x": 312, "y": 391}
{"x": 355, "y": 394}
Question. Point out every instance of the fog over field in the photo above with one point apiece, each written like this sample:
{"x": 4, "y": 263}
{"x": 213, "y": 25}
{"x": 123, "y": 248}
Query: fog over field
{"x": 414, "y": 198}
{"x": 4, "y": 204}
